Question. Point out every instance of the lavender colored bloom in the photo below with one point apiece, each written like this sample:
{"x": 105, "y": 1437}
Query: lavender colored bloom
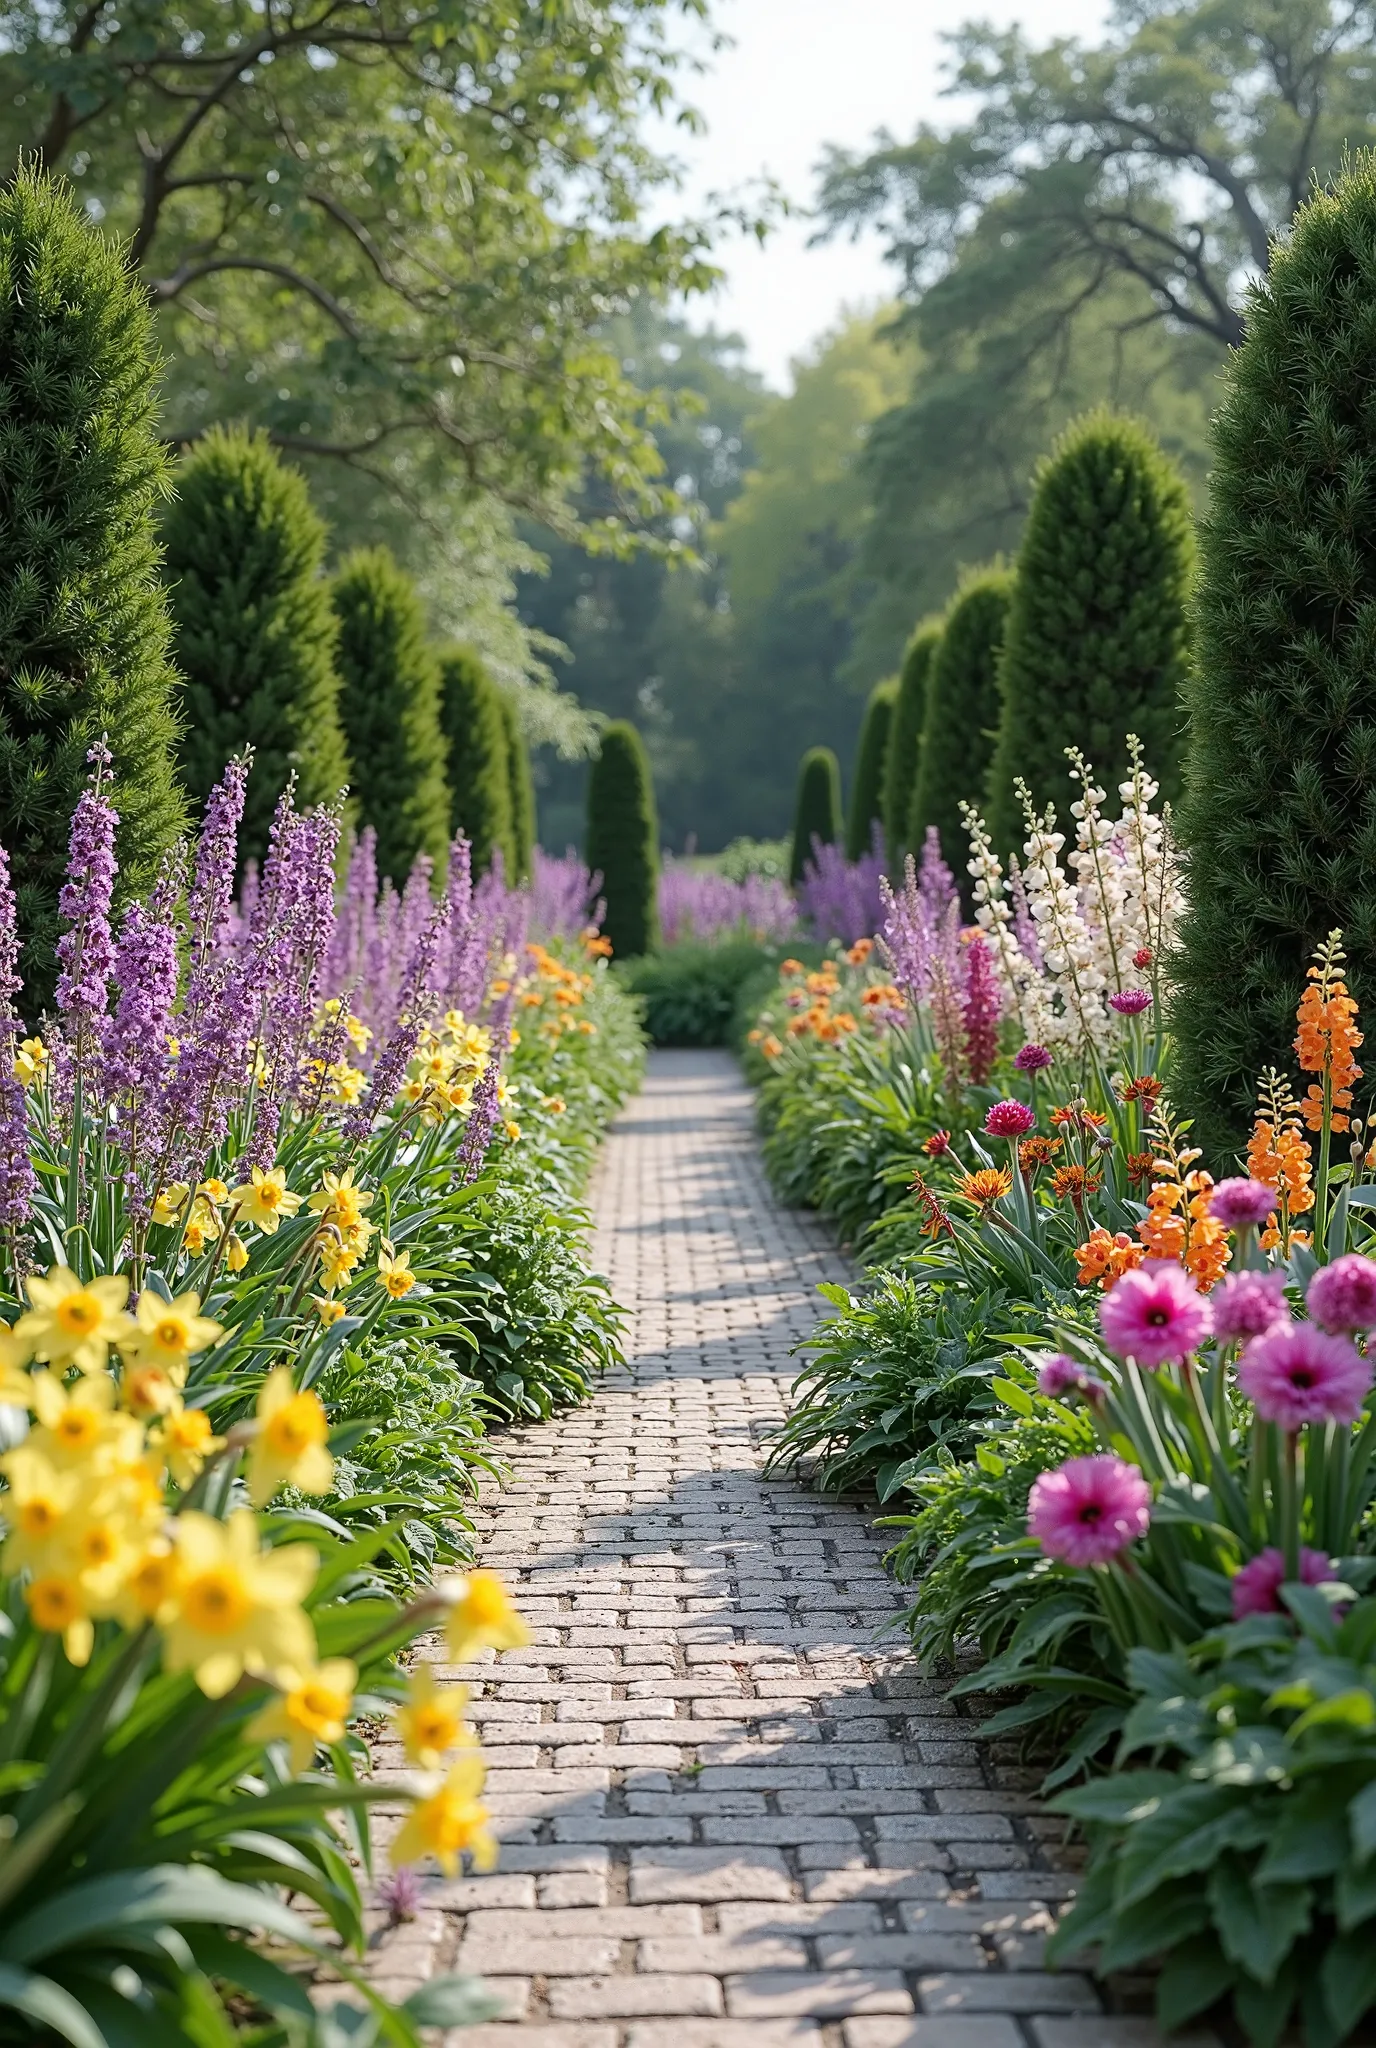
{"x": 1240, "y": 1204}
{"x": 210, "y": 903}
{"x": 842, "y": 899}
{"x": 563, "y": 895}
{"x": 391, "y": 1064}
{"x": 1343, "y": 1296}
{"x": 85, "y": 950}
{"x": 18, "y": 1182}
{"x": 1130, "y": 1002}
{"x": 1247, "y": 1304}
{"x": 1032, "y": 1059}
{"x": 921, "y": 923}
{"x": 696, "y": 903}
{"x": 138, "y": 1038}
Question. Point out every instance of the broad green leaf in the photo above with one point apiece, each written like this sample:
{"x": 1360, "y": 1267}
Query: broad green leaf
{"x": 1263, "y": 2010}
{"x": 1126, "y": 1796}
{"x": 1192, "y": 1980}
{"x": 451, "y": 2002}
{"x": 1155, "y": 1928}
{"x": 1188, "y": 1831}
{"x": 48, "y": 2005}
{"x": 1307, "y": 1837}
{"x": 169, "y": 1894}
{"x": 1361, "y": 1816}
{"x": 1258, "y": 1925}
{"x": 1348, "y": 1976}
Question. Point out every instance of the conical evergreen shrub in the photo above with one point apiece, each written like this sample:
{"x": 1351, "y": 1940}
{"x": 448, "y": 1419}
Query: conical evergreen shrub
{"x": 522, "y": 793}
{"x": 390, "y": 706}
{"x": 623, "y": 841}
{"x": 1096, "y": 642}
{"x": 871, "y": 760}
{"x": 905, "y": 736}
{"x": 478, "y": 760}
{"x": 962, "y": 711}
{"x": 1278, "y": 818}
{"x": 255, "y": 639}
{"x": 84, "y": 630}
{"x": 817, "y": 814}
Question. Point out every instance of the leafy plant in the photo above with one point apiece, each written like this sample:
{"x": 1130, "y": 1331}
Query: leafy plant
{"x": 871, "y": 765}
{"x": 817, "y": 810}
{"x": 690, "y": 992}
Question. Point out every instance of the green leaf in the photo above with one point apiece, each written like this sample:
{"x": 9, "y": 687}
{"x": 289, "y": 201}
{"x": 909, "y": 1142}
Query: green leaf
{"x": 1354, "y": 1895}
{"x": 1187, "y": 1832}
{"x": 1355, "y": 1709}
{"x": 1154, "y": 1928}
{"x": 1013, "y": 1396}
{"x": 1258, "y": 1925}
{"x": 1193, "y": 1979}
{"x": 46, "y": 2003}
{"x": 237, "y": 1962}
{"x": 1307, "y": 1839}
{"x": 1348, "y": 1977}
{"x": 1263, "y": 2010}
{"x": 451, "y": 2002}
{"x": 1126, "y": 1796}
{"x": 1361, "y": 1817}
{"x": 141, "y": 1899}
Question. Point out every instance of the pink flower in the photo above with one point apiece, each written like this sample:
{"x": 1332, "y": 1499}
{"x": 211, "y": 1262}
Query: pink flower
{"x": 1154, "y": 1314}
{"x": 1009, "y": 1120}
{"x": 1060, "y": 1376}
{"x": 1130, "y": 1002}
{"x": 1247, "y": 1304}
{"x": 1256, "y": 1588}
{"x": 1240, "y": 1203}
{"x": 1089, "y": 1509}
{"x": 1343, "y": 1296}
{"x": 1294, "y": 1374}
{"x": 1032, "y": 1059}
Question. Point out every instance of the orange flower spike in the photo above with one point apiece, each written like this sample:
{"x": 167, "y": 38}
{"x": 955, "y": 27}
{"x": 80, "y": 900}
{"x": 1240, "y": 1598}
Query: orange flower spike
{"x": 1327, "y": 1039}
{"x": 1106, "y": 1257}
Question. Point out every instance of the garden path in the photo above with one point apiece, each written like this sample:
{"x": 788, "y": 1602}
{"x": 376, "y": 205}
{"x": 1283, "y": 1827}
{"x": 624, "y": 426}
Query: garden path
{"x": 729, "y": 1819}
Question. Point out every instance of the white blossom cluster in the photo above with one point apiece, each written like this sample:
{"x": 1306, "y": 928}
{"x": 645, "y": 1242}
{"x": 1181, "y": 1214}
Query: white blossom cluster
{"x": 1104, "y": 916}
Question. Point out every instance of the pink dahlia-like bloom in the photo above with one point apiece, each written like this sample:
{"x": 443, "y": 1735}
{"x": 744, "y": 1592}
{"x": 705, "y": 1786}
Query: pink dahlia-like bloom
{"x": 1089, "y": 1509}
{"x": 1256, "y": 1588}
{"x": 1247, "y": 1304}
{"x": 1294, "y": 1374}
{"x": 1343, "y": 1296}
{"x": 1130, "y": 1002}
{"x": 1240, "y": 1203}
{"x": 1154, "y": 1315}
{"x": 1009, "y": 1120}
{"x": 1032, "y": 1059}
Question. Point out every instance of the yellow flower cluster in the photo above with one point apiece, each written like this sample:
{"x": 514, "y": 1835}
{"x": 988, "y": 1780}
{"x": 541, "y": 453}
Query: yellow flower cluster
{"x": 447, "y": 1066}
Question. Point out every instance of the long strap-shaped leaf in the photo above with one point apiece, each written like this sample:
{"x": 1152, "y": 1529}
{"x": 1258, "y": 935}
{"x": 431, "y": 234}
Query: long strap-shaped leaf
{"x": 167, "y": 1894}
{"x": 38, "y": 1998}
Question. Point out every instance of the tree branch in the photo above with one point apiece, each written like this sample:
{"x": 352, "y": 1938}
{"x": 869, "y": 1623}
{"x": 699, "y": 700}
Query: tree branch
{"x": 165, "y": 289}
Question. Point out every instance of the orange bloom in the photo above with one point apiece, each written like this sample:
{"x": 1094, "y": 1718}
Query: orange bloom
{"x": 1280, "y": 1155}
{"x": 1105, "y": 1258}
{"x": 860, "y": 952}
{"x": 986, "y": 1186}
{"x": 1139, "y": 1165}
{"x": 1326, "y": 1041}
{"x": 770, "y": 1046}
{"x": 935, "y": 1221}
{"x": 1035, "y": 1152}
{"x": 789, "y": 967}
{"x": 1178, "y": 1224}
{"x": 883, "y": 996}
{"x": 1144, "y": 1088}
{"x": 1074, "y": 1183}
{"x": 1078, "y": 1117}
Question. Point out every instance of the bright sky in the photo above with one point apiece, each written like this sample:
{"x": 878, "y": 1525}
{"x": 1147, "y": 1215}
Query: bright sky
{"x": 801, "y": 74}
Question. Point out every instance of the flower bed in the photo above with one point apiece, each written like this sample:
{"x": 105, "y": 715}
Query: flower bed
{"x": 289, "y": 1216}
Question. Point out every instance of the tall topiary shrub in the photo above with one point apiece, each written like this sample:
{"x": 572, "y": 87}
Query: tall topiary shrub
{"x": 871, "y": 762}
{"x": 623, "y": 841}
{"x": 478, "y": 758}
{"x": 905, "y": 735}
{"x": 390, "y": 704}
{"x": 84, "y": 631}
{"x": 255, "y": 632}
{"x": 962, "y": 710}
{"x": 1278, "y": 818}
{"x": 522, "y": 792}
{"x": 1096, "y": 643}
{"x": 817, "y": 814}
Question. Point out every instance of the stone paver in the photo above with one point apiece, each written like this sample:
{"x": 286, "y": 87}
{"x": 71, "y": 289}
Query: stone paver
{"x": 733, "y": 1815}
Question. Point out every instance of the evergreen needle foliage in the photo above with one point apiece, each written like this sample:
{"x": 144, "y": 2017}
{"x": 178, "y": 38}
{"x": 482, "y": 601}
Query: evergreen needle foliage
{"x": 962, "y": 710}
{"x": 84, "y": 629}
{"x": 623, "y": 841}
{"x": 905, "y": 736}
{"x": 818, "y": 812}
{"x": 390, "y": 704}
{"x": 479, "y": 764}
{"x": 1096, "y": 645}
{"x": 1278, "y": 820}
{"x": 871, "y": 762}
{"x": 255, "y": 629}
{"x": 522, "y": 798}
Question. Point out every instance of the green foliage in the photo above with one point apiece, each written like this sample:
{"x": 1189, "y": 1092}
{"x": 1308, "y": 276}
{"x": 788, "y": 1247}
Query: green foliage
{"x": 390, "y": 705}
{"x": 1276, "y": 819}
{"x": 691, "y": 992}
{"x": 905, "y": 741}
{"x": 478, "y": 759}
{"x": 623, "y": 841}
{"x": 255, "y": 638}
{"x": 962, "y": 710}
{"x": 871, "y": 762}
{"x": 817, "y": 813}
{"x": 522, "y": 793}
{"x": 1096, "y": 640}
{"x": 84, "y": 630}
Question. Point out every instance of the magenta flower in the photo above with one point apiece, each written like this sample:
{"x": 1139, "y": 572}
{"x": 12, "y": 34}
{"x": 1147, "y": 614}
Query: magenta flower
{"x": 1130, "y": 1002}
{"x": 1089, "y": 1509}
{"x": 1294, "y": 1374}
{"x": 1247, "y": 1304}
{"x": 1032, "y": 1059}
{"x": 1154, "y": 1315}
{"x": 1256, "y": 1588}
{"x": 1060, "y": 1376}
{"x": 1343, "y": 1296}
{"x": 1241, "y": 1204}
{"x": 1009, "y": 1120}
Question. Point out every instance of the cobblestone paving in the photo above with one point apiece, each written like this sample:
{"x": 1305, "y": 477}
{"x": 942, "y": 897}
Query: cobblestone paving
{"x": 729, "y": 1819}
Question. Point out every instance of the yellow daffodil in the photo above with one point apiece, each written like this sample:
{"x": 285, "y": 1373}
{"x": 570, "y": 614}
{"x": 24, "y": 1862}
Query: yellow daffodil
{"x": 185, "y": 1439}
{"x": 358, "y": 1032}
{"x": 214, "y": 1191}
{"x": 512, "y": 1129}
{"x": 31, "y": 1062}
{"x": 236, "y": 1607}
{"x": 169, "y": 1333}
{"x": 481, "y": 1617}
{"x": 150, "y": 1584}
{"x": 344, "y": 1084}
{"x": 266, "y": 1199}
{"x": 449, "y": 1822}
{"x": 395, "y": 1270}
{"x": 197, "y": 1235}
{"x": 555, "y": 1104}
{"x": 337, "y": 1262}
{"x": 58, "y": 1605}
{"x": 337, "y": 1200}
{"x": 431, "y": 1722}
{"x": 71, "y": 1321}
{"x": 16, "y": 1388}
{"x": 236, "y": 1253}
{"x": 311, "y": 1712}
{"x": 39, "y": 1499}
{"x": 149, "y": 1390}
{"x": 170, "y": 1203}
{"x": 79, "y": 1426}
{"x": 289, "y": 1447}
{"x": 328, "y": 1311}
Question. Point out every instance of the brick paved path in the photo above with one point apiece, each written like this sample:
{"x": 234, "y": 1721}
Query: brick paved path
{"x": 729, "y": 1821}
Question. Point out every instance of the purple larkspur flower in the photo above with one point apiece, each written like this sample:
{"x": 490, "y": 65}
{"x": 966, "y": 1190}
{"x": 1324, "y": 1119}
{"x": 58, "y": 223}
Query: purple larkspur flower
{"x": 18, "y": 1182}
{"x": 85, "y": 950}
{"x": 842, "y": 899}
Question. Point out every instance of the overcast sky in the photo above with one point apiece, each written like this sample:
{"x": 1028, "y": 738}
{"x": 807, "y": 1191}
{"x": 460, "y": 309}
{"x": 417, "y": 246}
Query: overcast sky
{"x": 801, "y": 74}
